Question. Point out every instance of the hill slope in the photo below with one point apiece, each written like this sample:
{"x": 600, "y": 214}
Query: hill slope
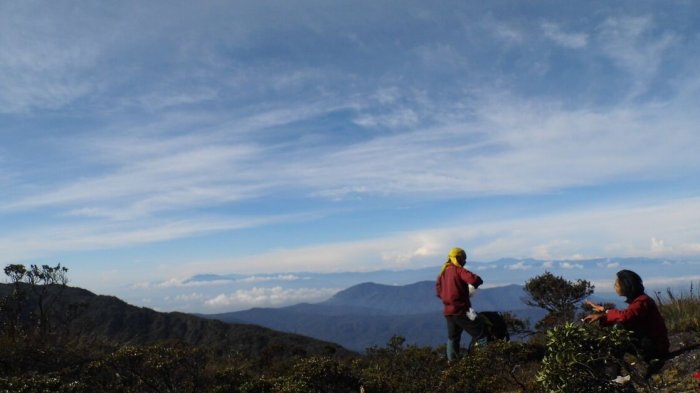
{"x": 109, "y": 320}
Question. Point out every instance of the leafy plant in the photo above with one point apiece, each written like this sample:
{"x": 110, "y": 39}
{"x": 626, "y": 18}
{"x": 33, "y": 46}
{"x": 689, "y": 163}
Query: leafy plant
{"x": 578, "y": 357}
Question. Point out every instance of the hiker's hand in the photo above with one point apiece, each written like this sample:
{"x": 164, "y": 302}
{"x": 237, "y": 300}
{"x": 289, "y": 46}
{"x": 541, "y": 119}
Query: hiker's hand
{"x": 595, "y": 307}
{"x": 592, "y": 318}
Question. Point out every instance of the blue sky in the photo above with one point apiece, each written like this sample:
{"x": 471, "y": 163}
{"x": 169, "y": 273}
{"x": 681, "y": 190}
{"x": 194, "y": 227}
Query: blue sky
{"x": 148, "y": 142}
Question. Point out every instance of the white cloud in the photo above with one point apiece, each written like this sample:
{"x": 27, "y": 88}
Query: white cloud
{"x": 482, "y": 266}
{"x": 191, "y": 297}
{"x": 429, "y": 248}
{"x": 569, "y": 40}
{"x": 180, "y": 283}
{"x": 488, "y": 240}
{"x": 278, "y": 277}
{"x": 519, "y": 266}
{"x": 402, "y": 118}
{"x": 505, "y": 32}
{"x": 268, "y": 297}
{"x": 612, "y": 265}
{"x": 569, "y": 265}
{"x": 657, "y": 246}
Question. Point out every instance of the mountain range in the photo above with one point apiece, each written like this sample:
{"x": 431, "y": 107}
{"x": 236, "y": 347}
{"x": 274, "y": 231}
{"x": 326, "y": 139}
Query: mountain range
{"x": 369, "y": 314}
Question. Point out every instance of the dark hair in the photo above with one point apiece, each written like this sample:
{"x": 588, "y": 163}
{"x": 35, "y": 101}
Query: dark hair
{"x": 631, "y": 284}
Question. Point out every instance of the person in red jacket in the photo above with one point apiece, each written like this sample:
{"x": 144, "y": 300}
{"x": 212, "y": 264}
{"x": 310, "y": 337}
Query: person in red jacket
{"x": 452, "y": 287}
{"x": 642, "y": 317}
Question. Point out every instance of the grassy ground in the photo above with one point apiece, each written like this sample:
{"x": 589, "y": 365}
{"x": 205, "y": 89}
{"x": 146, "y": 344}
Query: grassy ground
{"x": 682, "y": 315}
{"x": 681, "y": 311}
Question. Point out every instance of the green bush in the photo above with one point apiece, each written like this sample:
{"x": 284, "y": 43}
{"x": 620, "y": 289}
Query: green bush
{"x": 399, "y": 368}
{"x": 155, "y": 368}
{"x": 496, "y": 368}
{"x": 577, "y": 357}
{"x": 318, "y": 374}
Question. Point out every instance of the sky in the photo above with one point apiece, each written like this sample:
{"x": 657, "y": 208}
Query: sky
{"x": 143, "y": 143}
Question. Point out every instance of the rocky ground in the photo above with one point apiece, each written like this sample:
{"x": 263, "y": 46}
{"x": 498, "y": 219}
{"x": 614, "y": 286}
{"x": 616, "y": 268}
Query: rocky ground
{"x": 676, "y": 376}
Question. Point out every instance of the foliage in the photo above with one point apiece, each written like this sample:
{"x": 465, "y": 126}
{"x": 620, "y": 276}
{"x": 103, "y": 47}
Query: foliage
{"x": 400, "y": 368}
{"x": 556, "y": 295}
{"x": 515, "y": 325}
{"x": 39, "y": 280}
{"x": 237, "y": 380}
{"x": 681, "y": 311}
{"x": 155, "y": 368}
{"x": 39, "y": 383}
{"x": 321, "y": 374}
{"x": 498, "y": 367}
{"x": 578, "y": 356}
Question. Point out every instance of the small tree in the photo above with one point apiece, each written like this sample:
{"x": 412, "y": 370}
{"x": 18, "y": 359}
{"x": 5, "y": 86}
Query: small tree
{"x": 558, "y": 296}
{"x": 46, "y": 283}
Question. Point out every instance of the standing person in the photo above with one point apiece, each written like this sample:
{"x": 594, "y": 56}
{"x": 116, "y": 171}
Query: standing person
{"x": 452, "y": 287}
{"x": 642, "y": 317}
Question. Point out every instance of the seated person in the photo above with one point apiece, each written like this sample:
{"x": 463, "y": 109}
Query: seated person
{"x": 642, "y": 317}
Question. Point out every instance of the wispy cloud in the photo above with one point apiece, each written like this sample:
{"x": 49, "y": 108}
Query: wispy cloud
{"x": 627, "y": 40}
{"x": 569, "y": 40}
{"x": 110, "y": 141}
{"x": 76, "y": 237}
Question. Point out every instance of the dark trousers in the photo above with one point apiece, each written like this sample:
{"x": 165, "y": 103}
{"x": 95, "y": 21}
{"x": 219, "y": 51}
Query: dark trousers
{"x": 645, "y": 349}
{"x": 456, "y": 324}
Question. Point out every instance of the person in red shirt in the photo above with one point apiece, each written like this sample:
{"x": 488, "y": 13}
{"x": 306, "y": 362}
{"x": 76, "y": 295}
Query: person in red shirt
{"x": 642, "y": 317}
{"x": 452, "y": 287}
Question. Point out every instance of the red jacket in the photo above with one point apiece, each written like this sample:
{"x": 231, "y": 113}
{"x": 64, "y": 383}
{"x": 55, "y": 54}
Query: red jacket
{"x": 642, "y": 317}
{"x": 453, "y": 288}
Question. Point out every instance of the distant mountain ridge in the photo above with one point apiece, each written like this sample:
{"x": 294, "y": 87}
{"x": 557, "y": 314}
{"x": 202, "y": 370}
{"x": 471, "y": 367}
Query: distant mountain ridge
{"x": 421, "y": 298}
{"x": 219, "y": 293}
{"x": 368, "y": 314}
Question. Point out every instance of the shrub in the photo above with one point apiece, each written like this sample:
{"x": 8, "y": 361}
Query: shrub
{"x": 155, "y": 368}
{"x": 320, "y": 374}
{"x": 577, "y": 357}
{"x": 498, "y": 367}
{"x": 400, "y": 368}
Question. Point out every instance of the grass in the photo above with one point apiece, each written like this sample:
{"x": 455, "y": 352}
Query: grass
{"x": 681, "y": 311}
